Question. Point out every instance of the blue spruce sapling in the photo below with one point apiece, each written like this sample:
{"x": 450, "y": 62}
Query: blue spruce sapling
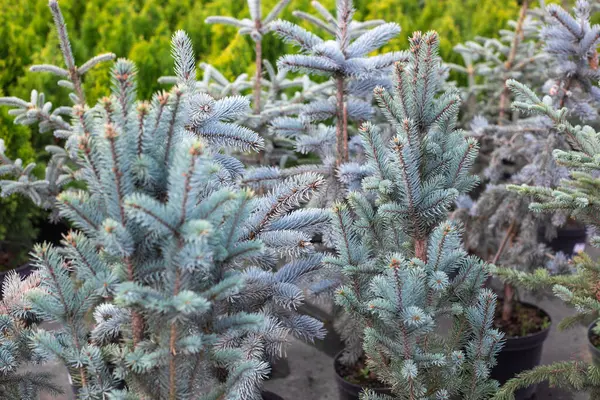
{"x": 256, "y": 27}
{"x": 345, "y": 60}
{"x": 577, "y": 195}
{"x": 396, "y": 255}
{"x": 171, "y": 254}
{"x": 17, "y": 326}
{"x": 499, "y": 224}
{"x": 171, "y": 258}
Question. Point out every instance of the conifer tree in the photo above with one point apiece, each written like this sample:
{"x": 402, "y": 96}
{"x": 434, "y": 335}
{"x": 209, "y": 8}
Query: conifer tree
{"x": 39, "y": 111}
{"x": 171, "y": 258}
{"x": 256, "y": 28}
{"x": 17, "y": 326}
{"x": 576, "y": 194}
{"x": 489, "y": 62}
{"x": 345, "y": 60}
{"x": 499, "y": 225}
{"x": 396, "y": 255}
{"x": 571, "y": 42}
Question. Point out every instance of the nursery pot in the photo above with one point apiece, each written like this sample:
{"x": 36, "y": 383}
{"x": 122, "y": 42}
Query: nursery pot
{"x": 569, "y": 239}
{"x": 594, "y": 351}
{"x": 348, "y": 390}
{"x": 266, "y": 395}
{"x": 520, "y": 354}
{"x": 75, "y": 386}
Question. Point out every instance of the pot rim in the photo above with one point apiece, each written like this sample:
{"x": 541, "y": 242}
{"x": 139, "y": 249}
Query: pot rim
{"x": 535, "y": 334}
{"x": 269, "y": 393}
{"x": 24, "y": 268}
{"x": 341, "y": 378}
{"x": 589, "y": 331}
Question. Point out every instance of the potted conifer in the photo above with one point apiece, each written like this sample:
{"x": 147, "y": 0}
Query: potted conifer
{"x": 499, "y": 224}
{"x": 38, "y": 111}
{"x": 167, "y": 282}
{"x": 397, "y": 253}
{"x": 344, "y": 56}
{"x": 580, "y": 289}
{"x": 17, "y": 325}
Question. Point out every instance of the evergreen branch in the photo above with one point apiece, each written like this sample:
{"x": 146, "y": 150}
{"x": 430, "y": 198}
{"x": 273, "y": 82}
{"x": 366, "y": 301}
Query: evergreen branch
{"x": 50, "y": 68}
{"x": 94, "y": 61}
{"x": 315, "y": 21}
{"x": 65, "y": 46}
{"x": 296, "y": 35}
{"x": 572, "y": 375}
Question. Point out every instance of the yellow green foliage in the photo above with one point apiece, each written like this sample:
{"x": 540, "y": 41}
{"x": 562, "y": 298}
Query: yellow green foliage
{"x": 140, "y": 30}
{"x": 17, "y": 213}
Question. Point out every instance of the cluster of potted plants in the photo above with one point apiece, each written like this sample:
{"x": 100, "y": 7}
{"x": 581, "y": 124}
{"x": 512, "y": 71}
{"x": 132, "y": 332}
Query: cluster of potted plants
{"x": 194, "y": 241}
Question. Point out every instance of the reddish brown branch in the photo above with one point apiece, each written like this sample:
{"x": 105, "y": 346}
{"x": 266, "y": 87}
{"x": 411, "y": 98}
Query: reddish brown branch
{"x": 507, "y": 308}
{"x": 257, "y": 73}
{"x": 511, "y": 59}
{"x": 341, "y": 123}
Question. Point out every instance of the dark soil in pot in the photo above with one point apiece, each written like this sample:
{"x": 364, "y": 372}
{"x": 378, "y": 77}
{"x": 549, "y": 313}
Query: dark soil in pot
{"x": 594, "y": 343}
{"x": 524, "y": 334}
{"x": 352, "y": 380}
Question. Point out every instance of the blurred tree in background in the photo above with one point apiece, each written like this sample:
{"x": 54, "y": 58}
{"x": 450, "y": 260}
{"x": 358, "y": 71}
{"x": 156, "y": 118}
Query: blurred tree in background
{"x": 140, "y": 30}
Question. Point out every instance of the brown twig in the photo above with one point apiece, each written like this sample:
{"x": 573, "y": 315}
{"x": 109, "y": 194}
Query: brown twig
{"x": 507, "y": 308}
{"x": 508, "y": 64}
{"x": 341, "y": 123}
{"x": 258, "y": 72}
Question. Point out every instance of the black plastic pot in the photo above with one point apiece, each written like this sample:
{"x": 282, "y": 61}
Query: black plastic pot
{"x": 594, "y": 351}
{"x": 568, "y": 238}
{"x": 520, "y": 354}
{"x": 266, "y": 395}
{"x": 351, "y": 391}
{"x": 75, "y": 387}
{"x": 332, "y": 343}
